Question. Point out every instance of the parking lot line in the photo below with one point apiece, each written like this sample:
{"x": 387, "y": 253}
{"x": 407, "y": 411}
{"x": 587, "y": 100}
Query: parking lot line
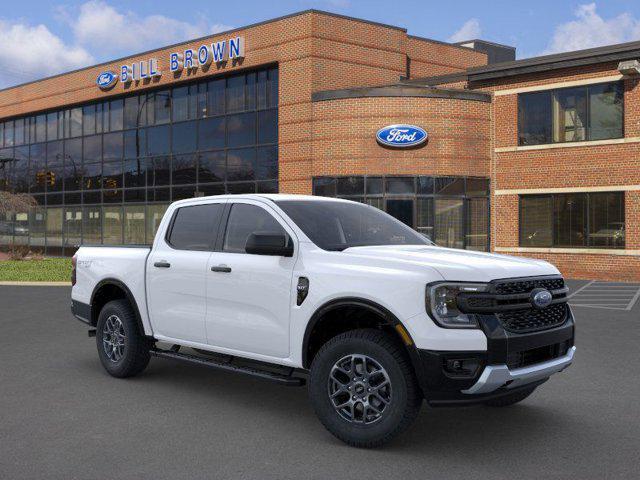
{"x": 605, "y": 295}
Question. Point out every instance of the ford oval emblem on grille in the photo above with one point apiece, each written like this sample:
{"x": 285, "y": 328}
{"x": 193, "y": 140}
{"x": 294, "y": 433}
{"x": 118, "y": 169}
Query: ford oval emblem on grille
{"x": 401, "y": 136}
{"x": 541, "y": 298}
{"x": 106, "y": 80}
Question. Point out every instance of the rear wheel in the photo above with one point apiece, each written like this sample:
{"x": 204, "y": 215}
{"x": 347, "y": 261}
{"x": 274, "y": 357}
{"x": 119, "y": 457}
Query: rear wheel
{"x": 511, "y": 399}
{"x": 123, "y": 350}
{"x": 363, "y": 388}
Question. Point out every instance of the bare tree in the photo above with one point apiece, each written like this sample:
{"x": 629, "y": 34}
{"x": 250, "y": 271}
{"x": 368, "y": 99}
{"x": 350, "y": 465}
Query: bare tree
{"x": 16, "y": 202}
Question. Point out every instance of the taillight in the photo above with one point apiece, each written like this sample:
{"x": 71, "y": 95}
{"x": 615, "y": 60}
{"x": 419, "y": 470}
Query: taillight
{"x": 74, "y": 261}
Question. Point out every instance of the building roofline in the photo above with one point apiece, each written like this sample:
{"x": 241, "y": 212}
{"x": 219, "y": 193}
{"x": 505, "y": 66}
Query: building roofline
{"x": 435, "y": 79}
{"x": 441, "y": 42}
{"x": 496, "y": 44}
{"x": 608, "y": 53}
{"x": 400, "y": 90}
{"x": 226, "y": 32}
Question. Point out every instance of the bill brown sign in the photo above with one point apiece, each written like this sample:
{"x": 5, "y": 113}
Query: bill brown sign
{"x": 189, "y": 59}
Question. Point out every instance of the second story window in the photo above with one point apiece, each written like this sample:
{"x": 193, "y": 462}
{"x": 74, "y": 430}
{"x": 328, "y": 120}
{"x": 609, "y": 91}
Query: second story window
{"x": 577, "y": 114}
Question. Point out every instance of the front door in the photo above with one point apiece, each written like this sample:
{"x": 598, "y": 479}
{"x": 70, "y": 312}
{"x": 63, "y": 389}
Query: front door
{"x": 249, "y": 296}
{"x": 177, "y": 273}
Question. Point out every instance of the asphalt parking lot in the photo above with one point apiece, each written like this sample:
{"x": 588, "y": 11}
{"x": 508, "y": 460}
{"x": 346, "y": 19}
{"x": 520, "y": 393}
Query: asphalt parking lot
{"x": 63, "y": 417}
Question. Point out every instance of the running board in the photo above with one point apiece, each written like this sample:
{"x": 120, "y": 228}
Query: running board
{"x": 281, "y": 378}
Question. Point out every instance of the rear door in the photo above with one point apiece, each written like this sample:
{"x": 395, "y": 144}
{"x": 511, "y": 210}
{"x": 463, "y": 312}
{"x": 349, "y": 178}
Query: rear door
{"x": 177, "y": 272}
{"x": 249, "y": 296}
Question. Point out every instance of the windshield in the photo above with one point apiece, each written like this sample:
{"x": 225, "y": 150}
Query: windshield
{"x": 338, "y": 225}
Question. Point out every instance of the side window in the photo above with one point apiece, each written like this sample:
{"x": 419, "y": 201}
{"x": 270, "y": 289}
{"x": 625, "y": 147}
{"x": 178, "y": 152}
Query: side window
{"x": 195, "y": 228}
{"x": 244, "y": 220}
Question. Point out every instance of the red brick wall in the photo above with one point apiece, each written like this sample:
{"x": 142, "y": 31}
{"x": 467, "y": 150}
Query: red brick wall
{"x": 429, "y": 58}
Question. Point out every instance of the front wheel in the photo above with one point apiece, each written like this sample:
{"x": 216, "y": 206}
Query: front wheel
{"x": 123, "y": 350}
{"x": 363, "y": 388}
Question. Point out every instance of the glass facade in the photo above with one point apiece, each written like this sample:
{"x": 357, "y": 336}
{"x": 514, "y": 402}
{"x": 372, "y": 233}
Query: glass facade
{"x": 451, "y": 211}
{"x": 573, "y": 220}
{"x": 105, "y": 172}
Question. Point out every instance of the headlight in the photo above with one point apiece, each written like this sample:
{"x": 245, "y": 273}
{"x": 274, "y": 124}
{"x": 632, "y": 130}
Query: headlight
{"x": 442, "y": 304}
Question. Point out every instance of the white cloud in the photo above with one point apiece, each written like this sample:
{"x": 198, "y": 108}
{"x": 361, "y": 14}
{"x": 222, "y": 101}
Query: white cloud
{"x": 469, "y": 31}
{"x": 29, "y": 52}
{"x": 107, "y": 31}
{"x": 591, "y": 30}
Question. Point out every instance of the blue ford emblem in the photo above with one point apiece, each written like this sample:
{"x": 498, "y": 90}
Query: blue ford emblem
{"x": 541, "y": 298}
{"x": 401, "y": 136}
{"x": 106, "y": 80}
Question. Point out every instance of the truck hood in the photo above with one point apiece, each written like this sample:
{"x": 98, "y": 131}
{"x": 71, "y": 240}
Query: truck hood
{"x": 458, "y": 265}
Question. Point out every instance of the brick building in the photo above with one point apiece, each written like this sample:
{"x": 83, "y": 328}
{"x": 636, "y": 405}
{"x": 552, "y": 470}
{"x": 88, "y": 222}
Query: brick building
{"x": 537, "y": 157}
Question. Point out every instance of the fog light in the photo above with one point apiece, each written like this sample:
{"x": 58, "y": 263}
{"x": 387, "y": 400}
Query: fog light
{"x": 461, "y": 367}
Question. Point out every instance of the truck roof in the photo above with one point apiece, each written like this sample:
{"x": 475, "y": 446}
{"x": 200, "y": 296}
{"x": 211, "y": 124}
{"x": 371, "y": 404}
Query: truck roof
{"x": 259, "y": 196}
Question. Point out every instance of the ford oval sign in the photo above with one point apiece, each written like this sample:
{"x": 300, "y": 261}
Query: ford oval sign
{"x": 106, "y": 80}
{"x": 541, "y": 298}
{"x": 401, "y": 136}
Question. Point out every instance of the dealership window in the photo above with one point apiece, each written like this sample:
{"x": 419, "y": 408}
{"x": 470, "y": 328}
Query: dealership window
{"x": 576, "y": 114}
{"x": 452, "y": 211}
{"x": 573, "y": 220}
{"x": 104, "y": 172}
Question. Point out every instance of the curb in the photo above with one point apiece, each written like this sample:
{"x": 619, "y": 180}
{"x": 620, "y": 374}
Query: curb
{"x": 36, "y": 284}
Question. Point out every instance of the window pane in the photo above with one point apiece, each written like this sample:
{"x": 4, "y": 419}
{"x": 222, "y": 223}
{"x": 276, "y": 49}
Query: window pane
{"x": 244, "y": 220}
{"x": 184, "y": 169}
{"x": 424, "y": 217}
{"x": 92, "y": 148}
{"x": 135, "y": 143}
{"x": 180, "y": 104}
{"x": 606, "y": 220}
{"x": 131, "y": 112}
{"x": 426, "y": 185}
{"x": 162, "y": 109}
{"x": 55, "y": 164}
{"x": 536, "y": 221}
{"x": 92, "y": 176}
{"x": 250, "y": 92}
{"x": 52, "y": 126}
{"x": 324, "y": 187}
{"x": 134, "y": 173}
{"x": 374, "y": 185}
{"x": 268, "y": 126}
{"x": 89, "y": 115}
{"x": 154, "y": 216}
{"x": 211, "y": 133}
{"x": 449, "y": 186}
{"x": 570, "y": 115}
{"x": 41, "y": 128}
{"x": 112, "y": 146}
{"x": 37, "y": 226}
{"x": 400, "y": 185}
{"x": 267, "y": 164}
{"x": 534, "y": 118}
{"x": 194, "y": 228}
{"x": 477, "y": 187}
{"x": 241, "y": 129}
{"x": 92, "y": 225}
{"x": 21, "y": 169}
{"x": 477, "y": 234}
{"x": 261, "y": 89}
{"x": 112, "y": 175}
{"x": 134, "y": 225}
{"x": 75, "y": 122}
{"x": 54, "y": 227}
{"x": 449, "y": 225}
{"x": 183, "y": 137}
{"x": 273, "y": 88}
{"x": 350, "y": 186}
{"x": 215, "y": 97}
{"x": 116, "y": 119}
{"x": 37, "y": 168}
{"x": 570, "y": 220}
{"x": 112, "y": 233}
{"x": 211, "y": 167}
{"x": 235, "y": 93}
{"x": 72, "y": 226}
{"x": 241, "y": 164}
{"x": 160, "y": 172}
{"x": 158, "y": 140}
{"x": 606, "y": 111}
{"x": 73, "y": 164}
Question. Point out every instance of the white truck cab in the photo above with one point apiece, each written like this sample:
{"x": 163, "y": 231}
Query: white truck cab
{"x": 333, "y": 293}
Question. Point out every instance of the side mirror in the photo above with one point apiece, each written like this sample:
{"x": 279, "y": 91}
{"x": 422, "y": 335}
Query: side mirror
{"x": 269, "y": 243}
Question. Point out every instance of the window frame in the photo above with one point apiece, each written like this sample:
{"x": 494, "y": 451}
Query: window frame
{"x": 587, "y": 221}
{"x": 552, "y": 92}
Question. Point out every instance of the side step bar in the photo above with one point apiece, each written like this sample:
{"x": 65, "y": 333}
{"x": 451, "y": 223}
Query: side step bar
{"x": 281, "y": 378}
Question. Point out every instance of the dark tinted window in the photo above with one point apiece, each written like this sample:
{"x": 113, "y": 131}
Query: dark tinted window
{"x": 244, "y": 220}
{"x": 194, "y": 228}
{"x": 536, "y": 221}
{"x": 333, "y": 225}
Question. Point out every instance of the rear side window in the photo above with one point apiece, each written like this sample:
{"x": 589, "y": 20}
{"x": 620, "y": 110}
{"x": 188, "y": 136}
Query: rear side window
{"x": 195, "y": 228}
{"x": 244, "y": 220}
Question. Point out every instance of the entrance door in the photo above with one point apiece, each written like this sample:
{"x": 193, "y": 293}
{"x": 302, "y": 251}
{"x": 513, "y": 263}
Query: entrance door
{"x": 402, "y": 209}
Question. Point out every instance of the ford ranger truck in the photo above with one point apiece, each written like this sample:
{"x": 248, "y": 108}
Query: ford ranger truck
{"x": 339, "y": 295}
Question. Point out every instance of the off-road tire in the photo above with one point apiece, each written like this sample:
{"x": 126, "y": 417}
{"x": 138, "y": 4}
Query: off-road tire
{"x": 135, "y": 355}
{"x": 509, "y": 400}
{"x": 405, "y": 398}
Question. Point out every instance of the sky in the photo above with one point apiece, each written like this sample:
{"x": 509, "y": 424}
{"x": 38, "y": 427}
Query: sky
{"x": 39, "y": 38}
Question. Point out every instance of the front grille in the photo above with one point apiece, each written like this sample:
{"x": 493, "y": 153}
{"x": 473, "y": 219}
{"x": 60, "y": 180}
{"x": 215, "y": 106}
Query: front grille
{"x": 530, "y": 320}
{"x": 525, "y": 358}
{"x": 525, "y": 286}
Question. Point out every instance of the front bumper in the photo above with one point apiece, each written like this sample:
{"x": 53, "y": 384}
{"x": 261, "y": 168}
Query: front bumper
{"x": 511, "y": 362}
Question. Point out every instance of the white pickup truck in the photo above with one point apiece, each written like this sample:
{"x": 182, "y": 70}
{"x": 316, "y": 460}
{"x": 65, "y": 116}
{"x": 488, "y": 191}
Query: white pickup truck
{"x": 333, "y": 293}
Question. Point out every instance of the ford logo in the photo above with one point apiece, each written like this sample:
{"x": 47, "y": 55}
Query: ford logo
{"x": 541, "y": 298}
{"x": 401, "y": 136}
{"x": 106, "y": 80}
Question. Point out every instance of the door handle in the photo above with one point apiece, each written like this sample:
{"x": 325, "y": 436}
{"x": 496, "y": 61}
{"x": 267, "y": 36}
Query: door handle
{"x": 221, "y": 269}
{"x": 162, "y": 264}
